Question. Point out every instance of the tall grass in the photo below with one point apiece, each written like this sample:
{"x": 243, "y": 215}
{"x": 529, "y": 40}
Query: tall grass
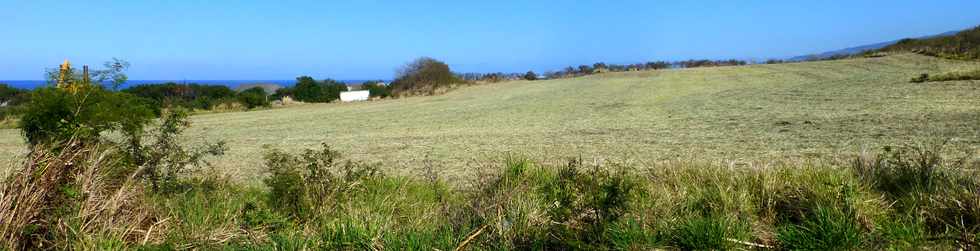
{"x": 900, "y": 198}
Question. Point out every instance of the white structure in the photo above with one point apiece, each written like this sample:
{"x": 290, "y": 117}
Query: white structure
{"x": 352, "y": 96}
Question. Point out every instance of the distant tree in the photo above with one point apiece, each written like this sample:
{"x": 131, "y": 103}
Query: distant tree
{"x": 307, "y": 90}
{"x": 584, "y": 69}
{"x": 376, "y": 89}
{"x": 530, "y": 75}
{"x": 599, "y": 66}
{"x": 570, "y": 72}
{"x": 55, "y": 114}
{"x": 253, "y": 97}
{"x": 423, "y": 76}
{"x": 10, "y": 95}
{"x": 552, "y": 74}
{"x": 331, "y": 89}
{"x": 192, "y": 96}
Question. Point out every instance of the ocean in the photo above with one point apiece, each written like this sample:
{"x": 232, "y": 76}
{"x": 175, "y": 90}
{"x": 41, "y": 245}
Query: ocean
{"x": 31, "y": 84}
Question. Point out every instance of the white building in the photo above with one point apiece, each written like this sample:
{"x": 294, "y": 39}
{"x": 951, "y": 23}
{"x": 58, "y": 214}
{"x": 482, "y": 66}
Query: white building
{"x": 351, "y": 96}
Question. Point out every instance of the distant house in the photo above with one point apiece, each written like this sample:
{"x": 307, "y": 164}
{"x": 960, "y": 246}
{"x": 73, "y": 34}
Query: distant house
{"x": 351, "y": 96}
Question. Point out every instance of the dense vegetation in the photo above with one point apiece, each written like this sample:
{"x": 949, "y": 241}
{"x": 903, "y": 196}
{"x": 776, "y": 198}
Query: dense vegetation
{"x": 908, "y": 197}
{"x": 253, "y": 97}
{"x": 192, "y": 96}
{"x": 424, "y": 76}
{"x": 377, "y": 88}
{"x": 10, "y": 99}
{"x": 964, "y": 45}
{"x": 309, "y": 90}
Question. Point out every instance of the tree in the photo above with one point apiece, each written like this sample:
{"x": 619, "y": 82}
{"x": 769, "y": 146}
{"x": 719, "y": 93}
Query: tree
{"x": 598, "y": 66}
{"x": 253, "y": 97}
{"x": 530, "y": 75}
{"x": 307, "y": 90}
{"x": 331, "y": 89}
{"x": 56, "y": 114}
{"x": 10, "y": 94}
{"x": 423, "y": 76}
{"x": 376, "y": 89}
{"x": 584, "y": 69}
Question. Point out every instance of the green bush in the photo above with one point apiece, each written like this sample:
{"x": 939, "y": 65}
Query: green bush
{"x": 253, "y": 97}
{"x": 309, "y": 90}
{"x": 376, "y": 89}
{"x": 301, "y": 185}
{"x": 192, "y": 96}
{"x": 56, "y": 115}
{"x": 423, "y": 76}
{"x": 603, "y": 194}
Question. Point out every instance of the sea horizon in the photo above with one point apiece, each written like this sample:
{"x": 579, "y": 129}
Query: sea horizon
{"x": 31, "y": 84}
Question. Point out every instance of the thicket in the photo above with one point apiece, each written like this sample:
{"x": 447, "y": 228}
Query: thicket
{"x": 253, "y": 97}
{"x": 309, "y": 90}
{"x": 424, "y": 76}
{"x": 377, "y": 89}
{"x": 10, "y": 100}
{"x": 964, "y": 45}
{"x": 191, "y": 96}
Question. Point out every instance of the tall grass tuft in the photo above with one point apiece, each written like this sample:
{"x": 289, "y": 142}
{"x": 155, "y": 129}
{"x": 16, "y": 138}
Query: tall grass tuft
{"x": 75, "y": 196}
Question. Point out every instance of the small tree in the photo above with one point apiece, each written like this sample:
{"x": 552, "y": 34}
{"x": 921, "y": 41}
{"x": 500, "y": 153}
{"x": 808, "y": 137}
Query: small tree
{"x": 376, "y": 89}
{"x": 307, "y": 90}
{"x": 531, "y": 76}
{"x": 253, "y": 97}
{"x": 55, "y": 114}
{"x": 331, "y": 89}
{"x": 423, "y": 75}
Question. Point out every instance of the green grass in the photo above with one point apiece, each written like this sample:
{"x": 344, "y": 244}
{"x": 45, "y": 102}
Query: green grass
{"x": 746, "y": 113}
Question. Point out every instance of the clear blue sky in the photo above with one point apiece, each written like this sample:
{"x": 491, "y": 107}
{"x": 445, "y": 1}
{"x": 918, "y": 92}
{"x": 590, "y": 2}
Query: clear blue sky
{"x": 225, "y": 39}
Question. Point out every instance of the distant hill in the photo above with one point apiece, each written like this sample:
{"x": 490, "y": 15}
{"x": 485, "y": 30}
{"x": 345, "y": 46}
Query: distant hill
{"x": 962, "y": 45}
{"x": 861, "y": 49}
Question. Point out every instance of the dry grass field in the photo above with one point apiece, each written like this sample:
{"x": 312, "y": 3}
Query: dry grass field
{"x": 745, "y": 113}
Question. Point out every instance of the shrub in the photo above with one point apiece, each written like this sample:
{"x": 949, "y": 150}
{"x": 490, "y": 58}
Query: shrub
{"x": 423, "y": 76}
{"x": 377, "y": 89}
{"x": 193, "y": 96}
{"x": 304, "y": 184}
{"x": 165, "y": 159}
{"x": 309, "y": 90}
{"x": 530, "y": 76}
{"x": 54, "y": 114}
{"x": 253, "y": 97}
{"x": 602, "y": 195}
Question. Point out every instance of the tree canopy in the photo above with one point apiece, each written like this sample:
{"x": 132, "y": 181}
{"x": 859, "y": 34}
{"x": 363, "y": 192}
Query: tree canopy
{"x": 423, "y": 76}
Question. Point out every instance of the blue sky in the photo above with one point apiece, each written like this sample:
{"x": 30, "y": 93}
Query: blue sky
{"x": 225, "y": 39}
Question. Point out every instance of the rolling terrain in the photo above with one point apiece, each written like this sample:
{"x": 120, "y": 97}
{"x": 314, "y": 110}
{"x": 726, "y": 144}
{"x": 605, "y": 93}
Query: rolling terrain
{"x": 745, "y": 113}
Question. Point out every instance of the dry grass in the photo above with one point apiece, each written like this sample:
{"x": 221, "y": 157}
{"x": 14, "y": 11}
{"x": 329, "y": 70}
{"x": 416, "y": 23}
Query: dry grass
{"x": 73, "y": 199}
{"x": 758, "y": 112}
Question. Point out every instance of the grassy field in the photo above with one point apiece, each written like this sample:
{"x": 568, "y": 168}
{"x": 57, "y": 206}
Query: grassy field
{"x": 747, "y": 113}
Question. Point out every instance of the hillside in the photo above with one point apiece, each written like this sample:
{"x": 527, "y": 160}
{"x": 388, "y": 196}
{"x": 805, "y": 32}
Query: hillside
{"x": 745, "y": 113}
{"x": 962, "y": 45}
{"x": 861, "y": 49}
